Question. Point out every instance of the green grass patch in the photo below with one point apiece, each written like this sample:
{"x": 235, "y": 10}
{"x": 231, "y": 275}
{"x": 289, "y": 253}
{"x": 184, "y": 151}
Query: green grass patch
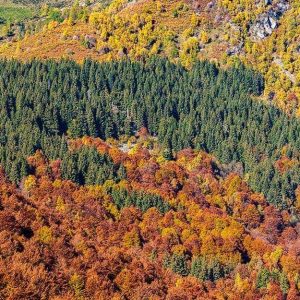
{"x": 11, "y": 13}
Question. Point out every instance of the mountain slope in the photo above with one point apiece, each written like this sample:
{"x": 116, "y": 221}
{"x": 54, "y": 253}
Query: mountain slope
{"x": 263, "y": 34}
{"x": 162, "y": 230}
{"x": 154, "y": 173}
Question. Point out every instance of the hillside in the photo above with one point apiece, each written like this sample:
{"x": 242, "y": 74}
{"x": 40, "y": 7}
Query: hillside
{"x": 11, "y": 12}
{"x": 150, "y": 150}
{"x": 43, "y": 103}
{"x": 262, "y": 34}
{"x": 148, "y": 213}
{"x": 159, "y": 229}
{"x": 57, "y": 3}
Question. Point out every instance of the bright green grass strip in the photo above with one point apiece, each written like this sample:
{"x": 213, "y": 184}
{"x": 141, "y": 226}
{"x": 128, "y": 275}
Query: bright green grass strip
{"x": 15, "y": 13}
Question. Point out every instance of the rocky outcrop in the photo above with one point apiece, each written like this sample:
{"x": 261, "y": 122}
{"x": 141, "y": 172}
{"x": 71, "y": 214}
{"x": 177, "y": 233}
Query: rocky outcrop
{"x": 201, "y": 5}
{"x": 267, "y": 22}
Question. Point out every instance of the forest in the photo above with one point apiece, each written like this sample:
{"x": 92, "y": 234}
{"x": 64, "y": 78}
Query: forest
{"x": 149, "y": 150}
{"x": 185, "y": 31}
{"x": 156, "y": 228}
{"x": 43, "y": 104}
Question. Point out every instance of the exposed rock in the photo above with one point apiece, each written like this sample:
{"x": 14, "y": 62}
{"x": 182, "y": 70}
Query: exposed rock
{"x": 268, "y": 27}
{"x": 272, "y": 22}
{"x": 268, "y": 2}
{"x": 202, "y": 5}
{"x": 268, "y": 21}
{"x": 210, "y": 5}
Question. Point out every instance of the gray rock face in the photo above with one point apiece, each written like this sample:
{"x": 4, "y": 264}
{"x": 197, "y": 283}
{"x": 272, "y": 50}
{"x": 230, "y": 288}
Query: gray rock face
{"x": 268, "y": 21}
{"x": 210, "y": 5}
{"x": 272, "y": 22}
{"x": 268, "y": 2}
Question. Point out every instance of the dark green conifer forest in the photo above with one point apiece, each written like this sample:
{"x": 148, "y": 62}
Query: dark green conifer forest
{"x": 44, "y": 103}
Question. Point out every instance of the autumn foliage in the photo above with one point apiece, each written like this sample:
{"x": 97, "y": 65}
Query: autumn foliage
{"x": 205, "y": 237}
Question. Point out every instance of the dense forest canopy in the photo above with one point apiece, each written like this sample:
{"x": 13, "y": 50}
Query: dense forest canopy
{"x": 44, "y": 103}
{"x": 262, "y": 34}
{"x": 163, "y": 229}
{"x": 150, "y": 149}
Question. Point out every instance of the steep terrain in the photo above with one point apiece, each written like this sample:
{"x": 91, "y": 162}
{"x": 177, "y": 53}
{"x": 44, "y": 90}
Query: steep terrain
{"x": 131, "y": 167}
{"x": 160, "y": 229}
{"x": 263, "y": 34}
{"x": 205, "y": 108}
{"x": 58, "y": 3}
